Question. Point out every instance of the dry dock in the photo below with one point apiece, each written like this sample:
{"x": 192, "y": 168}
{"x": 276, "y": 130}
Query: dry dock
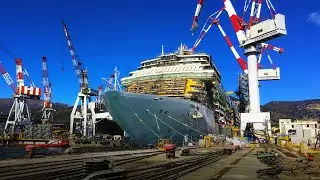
{"x": 202, "y": 164}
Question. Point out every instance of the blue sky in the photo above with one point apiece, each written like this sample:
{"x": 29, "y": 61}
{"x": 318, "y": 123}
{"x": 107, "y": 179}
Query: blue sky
{"x": 123, "y": 33}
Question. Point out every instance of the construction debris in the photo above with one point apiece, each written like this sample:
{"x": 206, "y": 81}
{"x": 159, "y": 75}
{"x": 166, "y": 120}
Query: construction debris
{"x": 287, "y": 168}
{"x": 37, "y": 131}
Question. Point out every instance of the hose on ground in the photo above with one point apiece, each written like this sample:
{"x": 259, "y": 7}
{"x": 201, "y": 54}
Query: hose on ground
{"x": 272, "y": 159}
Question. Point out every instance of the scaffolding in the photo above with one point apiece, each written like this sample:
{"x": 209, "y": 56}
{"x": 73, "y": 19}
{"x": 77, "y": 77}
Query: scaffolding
{"x": 171, "y": 87}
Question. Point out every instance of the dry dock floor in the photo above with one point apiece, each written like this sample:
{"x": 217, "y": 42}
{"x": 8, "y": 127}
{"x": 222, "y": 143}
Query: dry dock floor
{"x": 240, "y": 165}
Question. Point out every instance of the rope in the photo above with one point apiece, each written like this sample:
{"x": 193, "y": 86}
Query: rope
{"x": 270, "y": 6}
{"x": 180, "y": 121}
{"x": 156, "y": 119}
{"x": 125, "y": 98}
{"x": 145, "y": 124}
{"x": 245, "y": 8}
{"x": 171, "y": 127}
{"x": 186, "y": 125}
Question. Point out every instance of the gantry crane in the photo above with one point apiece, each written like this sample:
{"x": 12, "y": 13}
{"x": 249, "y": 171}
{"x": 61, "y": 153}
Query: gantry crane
{"x": 250, "y": 36}
{"x": 87, "y": 120}
{"x": 19, "y": 109}
{"x": 47, "y": 115}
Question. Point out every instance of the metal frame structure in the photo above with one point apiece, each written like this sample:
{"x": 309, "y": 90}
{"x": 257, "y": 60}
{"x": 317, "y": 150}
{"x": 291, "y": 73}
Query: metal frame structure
{"x": 19, "y": 109}
{"x": 113, "y": 81}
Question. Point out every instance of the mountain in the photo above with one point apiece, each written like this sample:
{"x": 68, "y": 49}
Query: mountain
{"x": 62, "y": 112}
{"x": 33, "y": 104}
{"x": 306, "y": 109}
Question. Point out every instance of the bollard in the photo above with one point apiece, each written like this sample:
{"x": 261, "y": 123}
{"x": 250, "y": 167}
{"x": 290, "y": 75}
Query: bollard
{"x": 30, "y": 150}
{"x": 227, "y": 151}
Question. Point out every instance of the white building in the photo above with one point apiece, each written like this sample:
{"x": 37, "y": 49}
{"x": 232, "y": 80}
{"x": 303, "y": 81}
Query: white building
{"x": 300, "y": 130}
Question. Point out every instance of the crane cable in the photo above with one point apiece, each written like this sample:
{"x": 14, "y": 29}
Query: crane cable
{"x": 14, "y": 56}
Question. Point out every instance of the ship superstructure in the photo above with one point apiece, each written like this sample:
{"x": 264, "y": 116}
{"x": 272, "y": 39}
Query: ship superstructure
{"x": 174, "y": 74}
{"x": 182, "y": 74}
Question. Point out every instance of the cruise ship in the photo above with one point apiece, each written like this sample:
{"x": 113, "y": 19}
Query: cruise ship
{"x": 177, "y": 96}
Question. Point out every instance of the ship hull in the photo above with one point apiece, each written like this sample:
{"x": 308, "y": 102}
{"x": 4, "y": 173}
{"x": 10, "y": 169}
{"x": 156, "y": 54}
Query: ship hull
{"x": 147, "y": 118}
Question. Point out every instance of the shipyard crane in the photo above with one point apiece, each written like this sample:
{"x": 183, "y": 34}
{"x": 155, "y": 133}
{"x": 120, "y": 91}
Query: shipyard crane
{"x": 47, "y": 115}
{"x": 99, "y": 99}
{"x": 249, "y": 35}
{"x": 263, "y": 74}
{"x": 19, "y": 109}
{"x": 87, "y": 120}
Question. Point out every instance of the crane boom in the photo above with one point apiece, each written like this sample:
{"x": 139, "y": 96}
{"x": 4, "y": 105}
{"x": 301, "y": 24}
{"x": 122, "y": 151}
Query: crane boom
{"x": 215, "y": 21}
{"x": 237, "y": 23}
{"x": 46, "y": 84}
{"x": 241, "y": 62}
{"x": 196, "y": 15}
{"x": 7, "y": 78}
{"x": 80, "y": 72}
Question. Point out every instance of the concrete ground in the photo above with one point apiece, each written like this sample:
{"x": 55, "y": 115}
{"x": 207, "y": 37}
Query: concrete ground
{"x": 244, "y": 169}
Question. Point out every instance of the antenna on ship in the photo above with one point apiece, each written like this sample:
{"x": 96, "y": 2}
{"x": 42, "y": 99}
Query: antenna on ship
{"x": 162, "y": 50}
{"x": 181, "y": 48}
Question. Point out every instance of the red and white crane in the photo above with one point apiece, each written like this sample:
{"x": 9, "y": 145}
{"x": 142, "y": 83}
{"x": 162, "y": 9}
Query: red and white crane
{"x": 47, "y": 115}
{"x": 87, "y": 120}
{"x": 254, "y": 18}
{"x": 19, "y": 113}
{"x": 250, "y": 34}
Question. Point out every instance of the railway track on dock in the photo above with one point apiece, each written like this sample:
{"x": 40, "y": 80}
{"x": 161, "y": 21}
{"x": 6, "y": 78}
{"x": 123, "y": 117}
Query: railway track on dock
{"x": 72, "y": 168}
{"x": 174, "y": 170}
{"x": 166, "y": 171}
{"x": 75, "y": 168}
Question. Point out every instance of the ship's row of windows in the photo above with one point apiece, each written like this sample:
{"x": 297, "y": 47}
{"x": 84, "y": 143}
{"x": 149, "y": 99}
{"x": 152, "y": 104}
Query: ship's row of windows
{"x": 167, "y": 58}
{"x": 307, "y": 125}
{"x": 168, "y": 69}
